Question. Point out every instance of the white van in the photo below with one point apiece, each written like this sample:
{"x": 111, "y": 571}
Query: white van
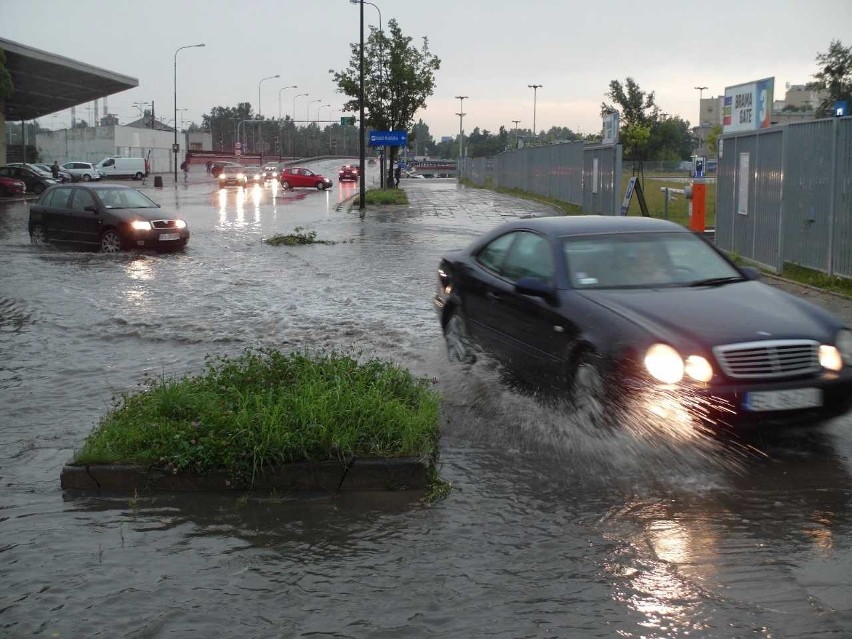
{"x": 122, "y": 167}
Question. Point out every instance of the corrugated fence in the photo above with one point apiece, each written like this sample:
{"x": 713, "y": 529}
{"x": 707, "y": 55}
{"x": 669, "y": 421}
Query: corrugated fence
{"x": 589, "y": 176}
{"x": 785, "y": 195}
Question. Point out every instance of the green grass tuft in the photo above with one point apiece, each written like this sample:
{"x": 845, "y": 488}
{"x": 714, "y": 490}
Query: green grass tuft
{"x": 266, "y": 408}
{"x": 385, "y": 196}
{"x": 818, "y": 279}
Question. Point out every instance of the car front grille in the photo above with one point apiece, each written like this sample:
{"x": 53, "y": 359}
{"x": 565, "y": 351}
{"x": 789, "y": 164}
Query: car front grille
{"x": 164, "y": 224}
{"x": 768, "y": 359}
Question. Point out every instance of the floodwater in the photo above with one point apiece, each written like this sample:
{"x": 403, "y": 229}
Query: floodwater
{"x": 548, "y": 531}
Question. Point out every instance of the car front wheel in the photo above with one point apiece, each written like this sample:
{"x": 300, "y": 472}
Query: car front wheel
{"x": 138, "y": 175}
{"x": 588, "y": 394}
{"x": 285, "y": 184}
{"x": 459, "y": 346}
{"x": 110, "y": 242}
{"x": 87, "y": 177}
{"x": 37, "y": 234}
{"x": 320, "y": 186}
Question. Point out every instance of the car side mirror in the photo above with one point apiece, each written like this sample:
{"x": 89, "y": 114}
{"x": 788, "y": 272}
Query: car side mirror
{"x": 750, "y": 272}
{"x": 534, "y": 287}
{"x": 91, "y": 207}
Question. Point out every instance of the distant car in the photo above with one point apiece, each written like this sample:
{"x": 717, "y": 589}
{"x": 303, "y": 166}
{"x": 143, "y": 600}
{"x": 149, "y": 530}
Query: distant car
{"x": 35, "y": 179}
{"x": 217, "y": 167}
{"x": 64, "y": 176}
{"x": 639, "y": 314}
{"x": 232, "y": 175}
{"x": 11, "y": 186}
{"x": 84, "y": 171}
{"x": 371, "y": 161}
{"x": 296, "y": 176}
{"x": 255, "y": 175}
{"x": 348, "y": 172}
{"x": 271, "y": 171}
{"x": 108, "y": 217}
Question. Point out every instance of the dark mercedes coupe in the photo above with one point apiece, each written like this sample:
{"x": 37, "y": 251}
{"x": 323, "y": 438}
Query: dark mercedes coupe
{"x": 607, "y": 310}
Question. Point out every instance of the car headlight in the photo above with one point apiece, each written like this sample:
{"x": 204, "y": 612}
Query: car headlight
{"x": 698, "y": 368}
{"x": 222, "y": 176}
{"x": 180, "y": 224}
{"x": 843, "y": 342}
{"x": 664, "y": 363}
{"x": 140, "y": 225}
{"x": 829, "y": 357}
{"x": 240, "y": 176}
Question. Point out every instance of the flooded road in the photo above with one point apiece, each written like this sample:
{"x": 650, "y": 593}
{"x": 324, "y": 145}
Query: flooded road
{"x": 547, "y": 532}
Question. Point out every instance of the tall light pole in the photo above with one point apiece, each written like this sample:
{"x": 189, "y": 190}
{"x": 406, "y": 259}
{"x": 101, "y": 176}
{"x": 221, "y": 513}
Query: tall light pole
{"x": 308, "y": 109}
{"x": 293, "y": 138}
{"x": 700, "y": 95}
{"x": 260, "y": 133}
{"x": 381, "y": 82}
{"x": 175, "y": 148}
{"x": 461, "y": 99}
{"x": 517, "y": 122}
{"x": 292, "y": 86}
{"x": 322, "y": 106}
{"x": 535, "y": 88}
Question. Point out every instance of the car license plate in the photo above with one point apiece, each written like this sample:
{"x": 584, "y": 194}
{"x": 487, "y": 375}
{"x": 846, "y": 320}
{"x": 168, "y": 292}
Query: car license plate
{"x": 169, "y": 236}
{"x": 783, "y": 399}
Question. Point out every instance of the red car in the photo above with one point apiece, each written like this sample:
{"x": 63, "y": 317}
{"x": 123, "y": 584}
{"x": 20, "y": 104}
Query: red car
{"x": 347, "y": 172}
{"x": 297, "y": 176}
{"x": 11, "y": 186}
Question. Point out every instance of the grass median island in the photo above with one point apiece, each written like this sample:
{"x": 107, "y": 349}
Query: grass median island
{"x": 385, "y": 196}
{"x": 246, "y": 414}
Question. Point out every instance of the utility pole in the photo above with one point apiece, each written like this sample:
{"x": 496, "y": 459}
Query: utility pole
{"x": 517, "y": 122}
{"x": 535, "y": 88}
{"x": 461, "y": 99}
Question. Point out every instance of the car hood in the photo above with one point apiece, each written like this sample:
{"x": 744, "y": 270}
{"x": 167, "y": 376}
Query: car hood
{"x": 708, "y": 316}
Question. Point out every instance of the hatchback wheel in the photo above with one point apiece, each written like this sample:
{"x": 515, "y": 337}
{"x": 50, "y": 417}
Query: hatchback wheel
{"x": 459, "y": 346}
{"x": 285, "y": 184}
{"x": 588, "y": 393}
{"x": 320, "y": 186}
{"x": 87, "y": 177}
{"x": 37, "y": 234}
{"x": 110, "y": 242}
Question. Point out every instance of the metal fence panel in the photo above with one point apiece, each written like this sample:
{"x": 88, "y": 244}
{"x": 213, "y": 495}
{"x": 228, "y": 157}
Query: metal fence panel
{"x": 768, "y": 188}
{"x": 602, "y": 180}
{"x": 841, "y": 263}
{"x": 809, "y": 174}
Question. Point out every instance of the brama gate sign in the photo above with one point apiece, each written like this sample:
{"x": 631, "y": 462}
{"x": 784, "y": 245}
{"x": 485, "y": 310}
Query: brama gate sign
{"x": 748, "y": 107}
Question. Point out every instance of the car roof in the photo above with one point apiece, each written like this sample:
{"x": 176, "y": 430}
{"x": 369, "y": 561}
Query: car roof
{"x": 98, "y": 187}
{"x": 593, "y": 224}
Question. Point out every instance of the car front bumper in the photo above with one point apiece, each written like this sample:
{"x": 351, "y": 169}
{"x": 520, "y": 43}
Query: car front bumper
{"x": 162, "y": 239}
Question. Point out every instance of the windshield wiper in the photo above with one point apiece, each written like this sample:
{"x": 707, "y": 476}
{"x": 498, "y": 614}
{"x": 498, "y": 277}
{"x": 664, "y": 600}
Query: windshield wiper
{"x": 718, "y": 281}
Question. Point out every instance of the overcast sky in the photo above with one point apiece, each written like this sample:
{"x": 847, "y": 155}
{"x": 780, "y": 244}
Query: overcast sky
{"x": 490, "y": 51}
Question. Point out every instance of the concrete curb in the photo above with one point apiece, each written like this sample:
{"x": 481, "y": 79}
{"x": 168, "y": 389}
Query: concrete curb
{"x": 401, "y": 473}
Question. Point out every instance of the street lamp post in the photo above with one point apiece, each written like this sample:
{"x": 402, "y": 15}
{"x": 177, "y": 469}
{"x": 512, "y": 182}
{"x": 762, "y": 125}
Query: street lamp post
{"x": 700, "y": 95}
{"x": 175, "y": 148}
{"x": 293, "y": 135}
{"x": 381, "y": 86}
{"x": 461, "y": 99}
{"x": 517, "y": 122}
{"x": 535, "y": 88}
{"x": 293, "y": 86}
{"x": 260, "y": 135}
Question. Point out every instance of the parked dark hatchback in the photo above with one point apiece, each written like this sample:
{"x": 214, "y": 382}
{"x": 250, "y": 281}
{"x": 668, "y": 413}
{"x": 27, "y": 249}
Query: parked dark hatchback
{"x": 636, "y": 313}
{"x": 35, "y": 180}
{"x": 107, "y": 217}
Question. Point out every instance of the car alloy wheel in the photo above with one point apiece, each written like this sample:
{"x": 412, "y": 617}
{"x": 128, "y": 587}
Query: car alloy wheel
{"x": 588, "y": 393}
{"x": 459, "y": 347}
{"x": 87, "y": 177}
{"x": 37, "y": 234}
{"x": 285, "y": 184}
{"x": 138, "y": 176}
{"x": 110, "y": 242}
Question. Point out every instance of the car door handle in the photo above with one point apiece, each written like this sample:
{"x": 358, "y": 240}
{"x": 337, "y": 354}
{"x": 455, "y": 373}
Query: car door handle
{"x": 494, "y": 297}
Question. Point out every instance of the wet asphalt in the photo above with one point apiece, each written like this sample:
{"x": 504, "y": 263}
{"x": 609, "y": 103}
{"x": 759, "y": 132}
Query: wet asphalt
{"x": 548, "y": 531}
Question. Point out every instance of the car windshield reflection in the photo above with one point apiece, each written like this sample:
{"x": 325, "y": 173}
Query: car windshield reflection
{"x": 644, "y": 260}
{"x": 125, "y": 199}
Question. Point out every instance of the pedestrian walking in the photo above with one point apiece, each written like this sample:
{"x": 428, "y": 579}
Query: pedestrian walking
{"x": 185, "y": 168}
{"x": 397, "y": 173}
{"x": 54, "y": 169}
{"x": 209, "y": 166}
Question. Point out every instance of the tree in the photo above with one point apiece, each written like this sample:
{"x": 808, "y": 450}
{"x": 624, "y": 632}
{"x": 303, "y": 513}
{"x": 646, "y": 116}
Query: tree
{"x": 713, "y": 139}
{"x": 421, "y": 139}
{"x": 834, "y": 77}
{"x": 398, "y": 78}
{"x": 222, "y": 123}
{"x": 638, "y": 114}
{"x": 670, "y": 140}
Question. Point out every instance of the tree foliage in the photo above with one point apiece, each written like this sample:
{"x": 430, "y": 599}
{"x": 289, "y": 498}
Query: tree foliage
{"x": 398, "y": 79}
{"x": 833, "y": 77}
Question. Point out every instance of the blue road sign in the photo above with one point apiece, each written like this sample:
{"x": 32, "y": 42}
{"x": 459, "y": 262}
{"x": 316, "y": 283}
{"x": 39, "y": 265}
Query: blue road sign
{"x": 388, "y": 138}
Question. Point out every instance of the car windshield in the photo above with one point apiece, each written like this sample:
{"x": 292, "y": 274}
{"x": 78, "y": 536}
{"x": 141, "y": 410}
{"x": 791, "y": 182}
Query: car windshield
{"x": 125, "y": 199}
{"x": 644, "y": 260}
{"x": 252, "y": 169}
{"x": 233, "y": 169}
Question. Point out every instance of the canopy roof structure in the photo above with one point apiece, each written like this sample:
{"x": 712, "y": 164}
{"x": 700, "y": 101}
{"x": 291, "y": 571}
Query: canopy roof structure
{"x": 45, "y": 83}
